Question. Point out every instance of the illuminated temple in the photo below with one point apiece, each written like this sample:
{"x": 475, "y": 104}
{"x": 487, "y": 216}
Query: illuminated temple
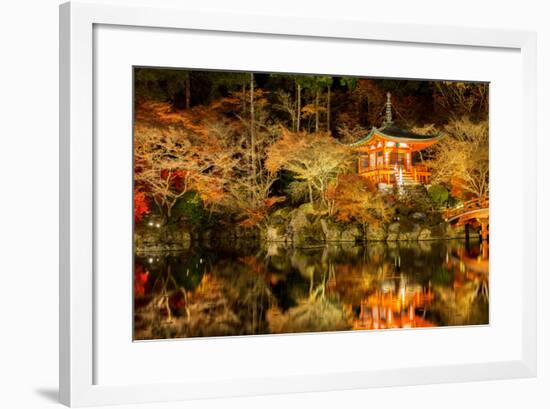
{"x": 385, "y": 154}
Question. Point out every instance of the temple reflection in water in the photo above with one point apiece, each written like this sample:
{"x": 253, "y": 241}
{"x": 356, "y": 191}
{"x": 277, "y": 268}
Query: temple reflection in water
{"x": 245, "y": 290}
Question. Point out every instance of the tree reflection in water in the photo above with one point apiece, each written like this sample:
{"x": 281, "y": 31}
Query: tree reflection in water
{"x": 246, "y": 289}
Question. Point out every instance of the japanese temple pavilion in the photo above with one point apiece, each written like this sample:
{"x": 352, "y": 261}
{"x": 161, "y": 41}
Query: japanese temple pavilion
{"x": 385, "y": 154}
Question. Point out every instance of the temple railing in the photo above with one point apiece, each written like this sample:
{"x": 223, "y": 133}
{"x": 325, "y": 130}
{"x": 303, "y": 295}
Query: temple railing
{"x": 421, "y": 168}
{"x": 385, "y": 173}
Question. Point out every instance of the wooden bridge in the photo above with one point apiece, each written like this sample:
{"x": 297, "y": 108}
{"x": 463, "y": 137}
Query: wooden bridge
{"x": 473, "y": 212}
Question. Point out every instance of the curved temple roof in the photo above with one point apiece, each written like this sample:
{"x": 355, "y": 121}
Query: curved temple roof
{"x": 391, "y": 132}
{"x": 396, "y": 134}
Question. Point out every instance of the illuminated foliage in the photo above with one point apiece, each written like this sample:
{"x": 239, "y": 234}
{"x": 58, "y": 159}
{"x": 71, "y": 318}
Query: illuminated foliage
{"x": 169, "y": 162}
{"x": 141, "y": 205}
{"x": 314, "y": 159}
{"x": 351, "y": 198}
{"x": 461, "y": 158}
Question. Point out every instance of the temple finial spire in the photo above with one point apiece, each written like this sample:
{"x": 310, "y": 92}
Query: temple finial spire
{"x": 388, "y": 120}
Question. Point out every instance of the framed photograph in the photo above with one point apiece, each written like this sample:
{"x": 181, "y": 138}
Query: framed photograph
{"x": 255, "y": 204}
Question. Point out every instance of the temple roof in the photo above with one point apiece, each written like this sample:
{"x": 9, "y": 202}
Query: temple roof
{"x": 392, "y": 132}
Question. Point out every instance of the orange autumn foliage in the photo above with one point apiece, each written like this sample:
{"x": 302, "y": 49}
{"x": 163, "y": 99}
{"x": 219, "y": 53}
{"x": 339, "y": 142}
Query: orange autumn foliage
{"x": 170, "y": 161}
{"x": 253, "y": 216}
{"x": 351, "y": 197}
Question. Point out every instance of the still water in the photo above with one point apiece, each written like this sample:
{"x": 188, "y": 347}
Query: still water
{"x": 248, "y": 288}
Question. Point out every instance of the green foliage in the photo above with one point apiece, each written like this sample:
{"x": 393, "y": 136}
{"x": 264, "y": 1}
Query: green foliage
{"x": 349, "y": 82}
{"x": 166, "y": 84}
{"x": 442, "y": 276}
{"x": 189, "y": 271}
{"x": 159, "y": 84}
{"x": 228, "y": 81}
{"x": 439, "y": 194}
{"x": 284, "y": 182}
{"x": 315, "y": 83}
{"x": 189, "y": 208}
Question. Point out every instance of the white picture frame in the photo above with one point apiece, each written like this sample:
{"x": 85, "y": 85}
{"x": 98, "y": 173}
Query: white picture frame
{"x": 78, "y": 386}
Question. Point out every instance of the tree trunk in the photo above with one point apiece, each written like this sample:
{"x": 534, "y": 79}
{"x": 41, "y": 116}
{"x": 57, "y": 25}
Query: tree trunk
{"x": 317, "y": 111}
{"x": 310, "y": 193}
{"x": 252, "y": 133}
{"x": 328, "y": 108}
{"x": 187, "y": 92}
{"x": 299, "y": 110}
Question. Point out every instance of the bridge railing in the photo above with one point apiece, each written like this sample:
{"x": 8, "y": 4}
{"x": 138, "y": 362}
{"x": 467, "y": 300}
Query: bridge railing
{"x": 465, "y": 207}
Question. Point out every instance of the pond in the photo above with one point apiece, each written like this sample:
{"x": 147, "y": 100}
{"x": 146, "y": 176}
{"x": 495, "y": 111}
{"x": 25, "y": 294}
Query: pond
{"x": 246, "y": 288}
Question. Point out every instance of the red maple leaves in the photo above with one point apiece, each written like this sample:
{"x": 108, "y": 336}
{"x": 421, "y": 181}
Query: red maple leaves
{"x": 141, "y": 205}
{"x": 141, "y": 277}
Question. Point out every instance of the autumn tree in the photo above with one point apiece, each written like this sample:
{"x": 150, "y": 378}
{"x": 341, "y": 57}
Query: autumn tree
{"x": 229, "y": 147}
{"x": 349, "y": 134}
{"x": 285, "y": 103}
{"x": 350, "y": 197}
{"x": 171, "y": 161}
{"x": 252, "y": 129}
{"x": 370, "y": 100}
{"x": 462, "y": 98}
{"x": 461, "y": 158}
{"x": 314, "y": 159}
{"x": 248, "y": 194}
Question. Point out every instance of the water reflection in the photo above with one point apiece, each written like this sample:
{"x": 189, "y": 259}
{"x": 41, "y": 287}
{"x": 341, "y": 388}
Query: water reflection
{"x": 217, "y": 290}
